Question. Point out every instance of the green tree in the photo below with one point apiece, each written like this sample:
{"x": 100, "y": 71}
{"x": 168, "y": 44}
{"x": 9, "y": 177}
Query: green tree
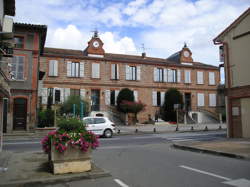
{"x": 172, "y": 96}
{"x": 124, "y": 95}
{"x": 67, "y": 106}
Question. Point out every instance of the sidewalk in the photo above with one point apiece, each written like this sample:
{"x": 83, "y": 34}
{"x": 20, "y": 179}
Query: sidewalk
{"x": 235, "y": 148}
{"x": 31, "y": 168}
{"x": 163, "y": 127}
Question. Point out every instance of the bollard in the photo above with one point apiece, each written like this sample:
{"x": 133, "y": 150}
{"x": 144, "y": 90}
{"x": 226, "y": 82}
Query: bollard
{"x": 206, "y": 129}
{"x": 192, "y": 128}
{"x": 136, "y": 130}
{"x": 119, "y": 131}
{"x": 154, "y": 129}
{"x": 177, "y": 128}
{"x": 220, "y": 127}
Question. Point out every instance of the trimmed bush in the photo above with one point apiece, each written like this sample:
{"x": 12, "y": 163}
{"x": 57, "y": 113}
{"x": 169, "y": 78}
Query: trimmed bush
{"x": 124, "y": 95}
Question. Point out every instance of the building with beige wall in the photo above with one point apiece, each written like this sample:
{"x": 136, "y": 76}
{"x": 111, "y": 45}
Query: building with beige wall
{"x": 235, "y": 40}
{"x": 98, "y": 77}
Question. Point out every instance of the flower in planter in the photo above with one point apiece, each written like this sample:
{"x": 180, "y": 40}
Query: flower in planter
{"x": 71, "y": 132}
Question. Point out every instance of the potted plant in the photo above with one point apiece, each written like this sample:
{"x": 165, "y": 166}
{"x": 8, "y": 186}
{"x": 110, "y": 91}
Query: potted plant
{"x": 69, "y": 148}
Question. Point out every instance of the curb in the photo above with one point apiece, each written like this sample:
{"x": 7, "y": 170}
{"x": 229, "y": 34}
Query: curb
{"x": 58, "y": 179}
{"x": 213, "y": 152}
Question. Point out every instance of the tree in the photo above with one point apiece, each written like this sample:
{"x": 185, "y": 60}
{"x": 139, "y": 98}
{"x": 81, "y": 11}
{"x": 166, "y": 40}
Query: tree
{"x": 124, "y": 95}
{"x": 172, "y": 96}
{"x": 67, "y": 106}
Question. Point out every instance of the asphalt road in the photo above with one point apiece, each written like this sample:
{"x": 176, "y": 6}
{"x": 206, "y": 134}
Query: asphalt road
{"x": 150, "y": 161}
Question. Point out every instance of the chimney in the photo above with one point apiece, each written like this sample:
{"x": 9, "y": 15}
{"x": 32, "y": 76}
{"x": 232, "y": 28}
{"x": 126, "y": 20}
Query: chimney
{"x": 143, "y": 55}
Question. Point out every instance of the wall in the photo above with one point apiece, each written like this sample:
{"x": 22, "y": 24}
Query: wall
{"x": 245, "y": 113}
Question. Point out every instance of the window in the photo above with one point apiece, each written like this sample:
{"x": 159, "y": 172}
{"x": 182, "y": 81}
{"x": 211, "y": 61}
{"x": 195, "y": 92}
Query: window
{"x": 89, "y": 121}
{"x": 158, "y": 98}
{"x": 112, "y": 97}
{"x": 57, "y": 96}
{"x": 133, "y": 73}
{"x": 172, "y": 75}
{"x": 96, "y": 70}
{"x": 99, "y": 120}
{"x": 200, "y": 79}
{"x": 114, "y": 71}
{"x": 158, "y": 74}
{"x": 200, "y": 99}
{"x": 212, "y": 100}
{"x": 75, "y": 69}
{"x": 74, "y": 92}
{"x": 187, "y": 76}
{"x": 53, "y": 68}
{"x": 211, "y": 77}
{"x": 19, "y": 42}
{"x": 18, "y": 67}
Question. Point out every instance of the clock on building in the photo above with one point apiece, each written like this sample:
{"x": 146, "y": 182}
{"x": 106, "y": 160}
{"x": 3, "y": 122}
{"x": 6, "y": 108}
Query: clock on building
{"x": 186, "y": 54}
{"x": 96, "y": 44}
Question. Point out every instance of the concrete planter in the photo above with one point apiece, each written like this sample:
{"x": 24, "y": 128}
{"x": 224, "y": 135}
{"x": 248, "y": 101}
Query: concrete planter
{"x": 73, "y": 160}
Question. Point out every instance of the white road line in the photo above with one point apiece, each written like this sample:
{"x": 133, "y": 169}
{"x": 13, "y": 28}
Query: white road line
{"x": 122, "y": 184}
{"x": 109, "y": 139}
{"x": 206, "y": 173}
{"x": 19, "y": 143}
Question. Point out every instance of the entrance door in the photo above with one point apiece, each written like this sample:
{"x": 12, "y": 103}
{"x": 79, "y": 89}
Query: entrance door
{"x": 187, "y": 101}
{"x": 95, "y": 98}
{"x": 19, "y": 114}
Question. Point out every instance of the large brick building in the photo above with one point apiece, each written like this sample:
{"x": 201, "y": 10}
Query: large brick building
{"x": 98, "y": 77}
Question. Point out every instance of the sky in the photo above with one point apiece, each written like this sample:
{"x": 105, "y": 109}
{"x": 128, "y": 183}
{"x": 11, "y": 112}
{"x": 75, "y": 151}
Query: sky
{"x": 124, "y": 25}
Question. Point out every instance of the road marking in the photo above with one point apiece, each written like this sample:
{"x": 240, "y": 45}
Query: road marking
{"x": 205, "y": 172}
{"x": 19, "y": 143}
{"x": 109, "y": 139}
{"x": 238, "y": 183}
{"x": 122, "y": 184}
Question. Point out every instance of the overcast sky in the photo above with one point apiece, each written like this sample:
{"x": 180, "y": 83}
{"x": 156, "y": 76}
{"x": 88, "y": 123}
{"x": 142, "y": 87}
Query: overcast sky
{"x": 124, "y": 25}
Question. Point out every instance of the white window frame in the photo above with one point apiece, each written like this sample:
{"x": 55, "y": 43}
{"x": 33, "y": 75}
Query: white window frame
{"x": 53, "y": 68}
{"x": 133, "y": 73}
{"x": 200, "y": 99}
{"x": 15, "y": 67}
{"x": 212, "y": 100}
{"x": 200, "y": 77}
{"x": 115, "y": 71}
{"x": 158, "y": 74}
{"x": 95, "y": 70}
{"x": 211, "y": 78}
{"x": 75, "y": 69}
{"x": 187, "y": 76}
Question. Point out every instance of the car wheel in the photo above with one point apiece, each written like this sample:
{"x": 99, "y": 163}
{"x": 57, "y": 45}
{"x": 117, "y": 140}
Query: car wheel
{"x": 108, "y": 133}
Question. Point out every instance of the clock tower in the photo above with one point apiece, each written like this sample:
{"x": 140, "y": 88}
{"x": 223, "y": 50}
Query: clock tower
{"x": 186, "y": 55}
{"x": 95, "y": 46}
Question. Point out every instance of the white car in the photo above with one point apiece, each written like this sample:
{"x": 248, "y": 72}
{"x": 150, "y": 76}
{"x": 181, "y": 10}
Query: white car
{"x": 100, "y": 126}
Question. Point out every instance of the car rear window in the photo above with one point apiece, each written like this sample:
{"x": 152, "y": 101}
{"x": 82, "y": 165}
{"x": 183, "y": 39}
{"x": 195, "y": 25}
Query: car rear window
{"x": 99, "y": 120}
{"x": 89, "y": 121}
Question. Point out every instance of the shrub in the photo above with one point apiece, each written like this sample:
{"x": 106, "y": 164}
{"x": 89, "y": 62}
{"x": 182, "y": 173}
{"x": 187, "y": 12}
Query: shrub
{"x": 167, "y": 112}
{"x": 70, "y": 125}
{"x": 127, "y": 95}
{"x": 46, "y": 118}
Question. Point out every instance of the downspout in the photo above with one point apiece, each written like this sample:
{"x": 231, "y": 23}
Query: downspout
{"x": 226, "y": 60}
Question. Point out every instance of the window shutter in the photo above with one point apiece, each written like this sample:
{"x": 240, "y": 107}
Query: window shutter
{"x": 162, "y": 98}
{"x": 127, "y": 73}
{"x": 81, "y": 69}
{"x": 155, "y": 75}
{"x": 61, "y": 95}
{"x": 69, "y": 69}
{"x": 200, "y": 77}
{"x": 138, "y": 73}
{"x": 117, "y": 71}
{"x": 136, "y": 95}
{"x": 95, "y": 70}
{"x": 112, "y": 71}
{"x": 211, "y": 78}
{"x": 107, "y": 97}
{"x": 54, "y": 95}
{"x": 187, "y": 76}
{"x": 174, "y": 75}
{"x": 178, "y": 75}
{"x": 154, "y": 98}
{"x": 66, "y": 93}
{"x": 51, "y": 71}
{"x": 44, "y": 96}
{"x": 165, "y": 75}
{"x": 170, "y": 75}
{"x": 116, "y": 94}
{"x": 200, "y": 99}
{"x": 212, "y": 100}
{"x": 55, "y": 68}
{"x": 82, "y": 93}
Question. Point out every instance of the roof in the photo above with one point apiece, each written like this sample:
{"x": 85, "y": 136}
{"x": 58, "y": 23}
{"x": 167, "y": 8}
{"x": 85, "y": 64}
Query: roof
{"x": 175, "y": 57}
{"x": 232, "y": 25}
{"x": 69, "y": 53}
{"x": 42, "y": 29}
{"x": 9, "y": 7}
